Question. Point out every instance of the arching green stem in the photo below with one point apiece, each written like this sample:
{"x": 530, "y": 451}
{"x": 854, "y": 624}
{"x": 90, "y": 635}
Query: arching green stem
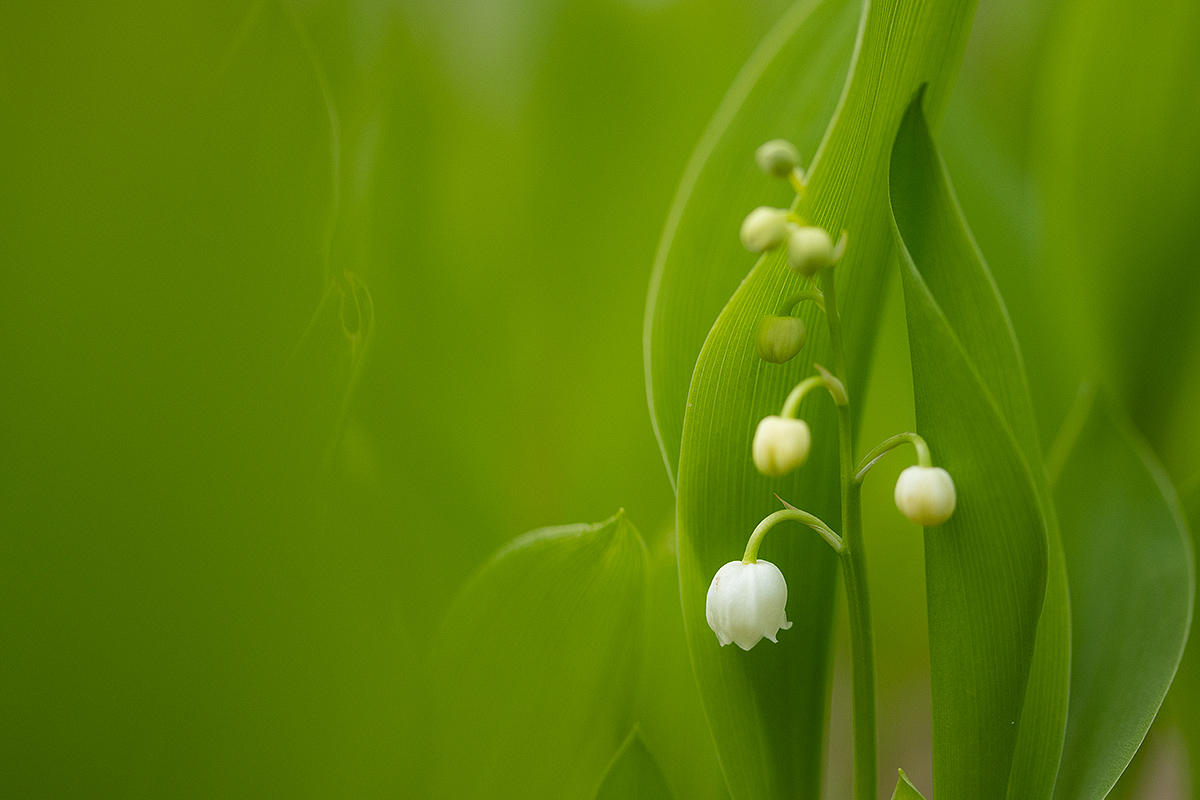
{"x": 924, "y": 459}
{"x": 785, "y": 309}
{"x": 790, "y": 513}
{"x": 792, "y": 404}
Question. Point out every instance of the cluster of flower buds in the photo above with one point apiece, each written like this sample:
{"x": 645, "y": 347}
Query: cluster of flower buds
{"x": 809, "y": 249}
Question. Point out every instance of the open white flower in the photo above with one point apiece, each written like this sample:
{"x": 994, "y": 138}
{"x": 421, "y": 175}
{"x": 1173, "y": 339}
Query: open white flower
{"x": 764, "y": 228}
{"x": 780, "y": 445}
{"x": 747, "y": 602}
{"x": 925, "y": 495}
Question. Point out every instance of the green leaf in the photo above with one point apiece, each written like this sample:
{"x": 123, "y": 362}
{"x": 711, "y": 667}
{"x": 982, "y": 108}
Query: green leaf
{"x": 534, "y": 669}
{"x": 1116, "y": 146}
{"x": 1129, "y": 559}
{"x": 989, "y": 568}
{"x": 789, "y": 88}
{"x": 668, "y": 710}
{"x": 634, "y": 774}
{"x": 767, "y": 707}
{"x": 905, "y": 790}
{"x": 1184, "y": 698}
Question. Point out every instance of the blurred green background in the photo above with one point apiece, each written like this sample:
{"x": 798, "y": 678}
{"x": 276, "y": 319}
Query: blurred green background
{"x": 308, "y": 307}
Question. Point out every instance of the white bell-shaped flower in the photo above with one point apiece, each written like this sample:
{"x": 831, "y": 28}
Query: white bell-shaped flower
{"x": 747, "y": 602}
{"x": 777, "y": 158}
{"x": 925, "y": 495}
{"x": 764, "y": 228}
{"x": 780, "y": 445}
{"x": 810, "y": 250}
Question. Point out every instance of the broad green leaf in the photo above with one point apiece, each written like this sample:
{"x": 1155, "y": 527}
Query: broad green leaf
{"x": 534, "y": 669}
{"x": 905, "y": 790}
{"x": 1116, "y": 147}
{"x": 634, "y": 774}
{"x": 668, "y": 710}
{"x": 989, "y": 567}
{"x": 789, "y": 88}
{"x": 1129, "y": 560}
{"x": 767, "y": 707}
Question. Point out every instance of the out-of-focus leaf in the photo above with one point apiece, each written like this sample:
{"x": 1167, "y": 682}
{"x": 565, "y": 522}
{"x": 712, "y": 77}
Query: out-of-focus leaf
{"x": 634, "y": 774}
{"x": 1184, "y": 697}
{"x": 1116, "y": 148}
{"x": 905, "y": 790}
{"x": 766, "y": 707}
{"x": 533, "y": 672}
{"x": 788, "y": 88}
{"x": 1129, "y": 560}
{"x": 668, "y": 710}
{"x": 986, "y": 568}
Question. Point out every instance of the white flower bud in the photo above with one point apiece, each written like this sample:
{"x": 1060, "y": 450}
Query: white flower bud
{"x": 779, "y": 339}
{"x": 925, "y": 495}
{"x": 777, "y": 158}
{"x": 810, "y": 250}
{"x": 780, "y": 445}
{"x": 764, "y": 228}
{"x": 747, "y": 602}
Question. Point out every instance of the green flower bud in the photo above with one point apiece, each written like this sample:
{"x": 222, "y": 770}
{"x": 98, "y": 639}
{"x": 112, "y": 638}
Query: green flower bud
{"x": 764, "y": 228}
{"x": 779, "y": 339}
{"x": 810, "y": 250}
{"x": 777, "y": 158}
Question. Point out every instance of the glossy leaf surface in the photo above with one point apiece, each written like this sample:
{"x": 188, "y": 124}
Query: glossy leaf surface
{"x": 766, "y": 707}
{"x": 534, "y": 669}
{"x": 987, "y": 567}
{"x": 1130, "y": 564}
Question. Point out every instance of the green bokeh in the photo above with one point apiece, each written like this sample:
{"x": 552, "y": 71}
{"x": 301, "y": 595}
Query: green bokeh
{"x": 235, "y": 504}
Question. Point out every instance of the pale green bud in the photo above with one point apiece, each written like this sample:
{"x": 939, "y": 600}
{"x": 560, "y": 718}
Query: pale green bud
{"x": 764, "y": 228}
{"x": 777, "y": 158}
{"x": 779, "y": 339}
{"x": 925, "y": 495}
{"x": 810, "y": 250}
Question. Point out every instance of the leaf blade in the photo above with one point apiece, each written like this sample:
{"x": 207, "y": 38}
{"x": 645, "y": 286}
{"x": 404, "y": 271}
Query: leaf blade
{"x": 557, "y": 616}
{"x": 1130, "y": 564}
{"x": 634, "y": 774}
{"x": 988, "y": 568}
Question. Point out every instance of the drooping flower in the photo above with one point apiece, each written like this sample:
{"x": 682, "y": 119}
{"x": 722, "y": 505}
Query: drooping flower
{"x": 780, "y": 445}
{"x": 747, "y": 602}
{"x": 925, "y": 495}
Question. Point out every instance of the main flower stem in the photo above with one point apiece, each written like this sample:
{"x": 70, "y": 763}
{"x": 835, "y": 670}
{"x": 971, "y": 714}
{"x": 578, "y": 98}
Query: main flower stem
{"x": 854, "y": 569}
